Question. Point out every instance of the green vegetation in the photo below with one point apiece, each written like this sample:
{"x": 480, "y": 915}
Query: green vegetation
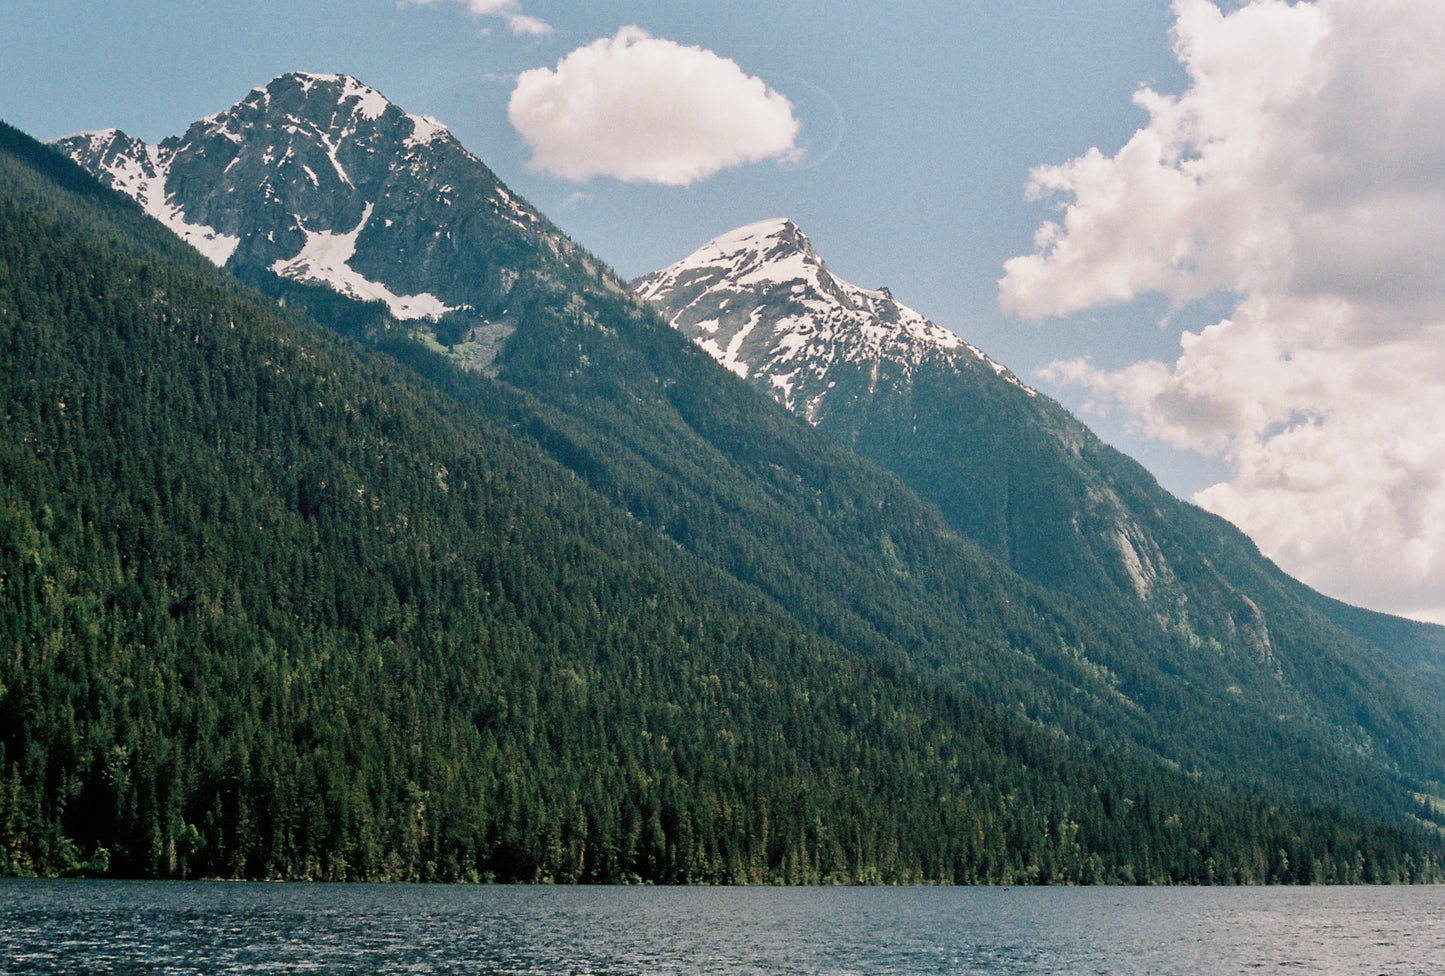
{"x": 650, "y": 423}
{"x": 274, "y": 605}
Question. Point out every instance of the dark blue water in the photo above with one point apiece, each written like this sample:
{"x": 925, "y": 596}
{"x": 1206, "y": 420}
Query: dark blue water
{"x": 178, "y": 927}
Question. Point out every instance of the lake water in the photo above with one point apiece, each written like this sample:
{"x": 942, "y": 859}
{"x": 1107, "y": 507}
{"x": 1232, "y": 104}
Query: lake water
{"x": 180, "y": 927}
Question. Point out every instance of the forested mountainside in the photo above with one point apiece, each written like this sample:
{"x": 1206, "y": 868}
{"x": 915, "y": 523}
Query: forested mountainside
{"x": 649, "y": 429}
{"x": 611, "y": 396}
{"x": 305, "y": 182}
{"x": 1012, "y": 470}
{"x": 275, "y": 607}
{"x": 1006, "y": 465}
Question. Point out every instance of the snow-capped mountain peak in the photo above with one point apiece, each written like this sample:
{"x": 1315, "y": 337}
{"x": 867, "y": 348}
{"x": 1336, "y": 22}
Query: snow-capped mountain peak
{"x": 769, "y": 250}
{"x": 335, "y": 104}
{"x": 319, "y": 178}
{"x": 368, "y": 102}
{"x": 764, "y": 303}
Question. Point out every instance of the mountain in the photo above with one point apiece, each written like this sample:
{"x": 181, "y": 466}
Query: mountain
{"x": 580, "y": 371}
{"x": 1014, "y": 471}
{"x": 318, "y": 179}
{"x": 762, "y": 301}
{"x": 275, "y": 606}
{"x": 1008, "y": 467}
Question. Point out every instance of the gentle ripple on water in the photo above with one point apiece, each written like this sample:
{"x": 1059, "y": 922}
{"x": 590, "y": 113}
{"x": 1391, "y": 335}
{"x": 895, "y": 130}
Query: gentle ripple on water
{"x": 180, "y": 927}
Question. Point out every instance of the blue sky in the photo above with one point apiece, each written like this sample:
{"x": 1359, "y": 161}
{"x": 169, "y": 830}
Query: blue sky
{"x": 1199, "y": 300}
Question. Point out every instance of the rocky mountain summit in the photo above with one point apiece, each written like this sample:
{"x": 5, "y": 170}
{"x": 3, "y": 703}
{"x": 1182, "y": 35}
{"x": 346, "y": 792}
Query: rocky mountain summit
{"x": 762, "y": 301}
{"x": 318, "y": 179}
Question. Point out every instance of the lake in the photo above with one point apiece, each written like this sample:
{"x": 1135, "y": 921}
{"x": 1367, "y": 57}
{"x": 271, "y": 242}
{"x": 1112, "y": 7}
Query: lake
{"x": 182, "y": 927}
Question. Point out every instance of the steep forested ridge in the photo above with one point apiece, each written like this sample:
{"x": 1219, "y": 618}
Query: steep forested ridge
{"x": 274, "y": 606}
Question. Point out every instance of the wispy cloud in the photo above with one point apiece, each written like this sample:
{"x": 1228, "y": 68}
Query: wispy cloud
{"x": 1299, "y": 173}
{"x": 508, "y": 10}
{"x": 647, "y": 110}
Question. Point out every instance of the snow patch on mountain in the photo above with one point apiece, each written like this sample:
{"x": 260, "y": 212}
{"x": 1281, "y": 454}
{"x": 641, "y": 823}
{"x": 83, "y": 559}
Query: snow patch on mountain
{"x": 424, "y": 129}
{"x": 323, "y": 260}
{"x": 730, "y": 356}
{"x": 140, "y": 172}
{"x": 512, "y": 210}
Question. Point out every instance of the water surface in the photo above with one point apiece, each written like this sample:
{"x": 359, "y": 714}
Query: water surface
{"x": 198, "y": 927}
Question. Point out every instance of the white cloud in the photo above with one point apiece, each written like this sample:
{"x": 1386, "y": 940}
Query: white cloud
{"x": 647, "y": 110}
{"x": 509, "y": 10}
{"x": 531, "y": 26}
{"x": 1301, "y": 173}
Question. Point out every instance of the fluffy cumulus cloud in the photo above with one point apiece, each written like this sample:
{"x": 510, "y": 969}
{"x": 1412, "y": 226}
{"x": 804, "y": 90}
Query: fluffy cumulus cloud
{"x": 508, "y": 10}
{"x": 1301, "y": 174}
{"x": 647, "y": 110}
